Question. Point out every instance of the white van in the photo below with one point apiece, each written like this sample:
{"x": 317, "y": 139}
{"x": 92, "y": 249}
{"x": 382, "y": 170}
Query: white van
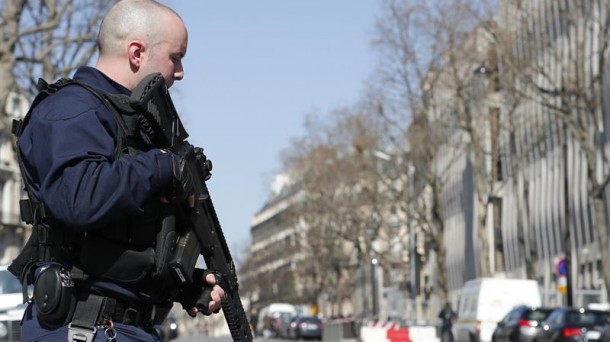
{"x": 485, "y": 301}
{"x": 267, "y": 316}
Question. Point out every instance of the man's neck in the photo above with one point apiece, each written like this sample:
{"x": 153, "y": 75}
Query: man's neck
{"x": 113, "y": 68}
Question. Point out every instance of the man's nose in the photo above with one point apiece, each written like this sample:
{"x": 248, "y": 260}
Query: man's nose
{"x": 179, "y": 73}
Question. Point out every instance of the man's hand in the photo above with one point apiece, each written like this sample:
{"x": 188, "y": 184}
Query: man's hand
{"x": 217, "y": 295}
{"x": 181, "y": 188}
{"x": 182, "y": 185}
{"x": 203, "y": 295}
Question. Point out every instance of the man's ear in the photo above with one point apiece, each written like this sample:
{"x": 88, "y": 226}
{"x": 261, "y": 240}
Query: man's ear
{"x": 135, "y": 53}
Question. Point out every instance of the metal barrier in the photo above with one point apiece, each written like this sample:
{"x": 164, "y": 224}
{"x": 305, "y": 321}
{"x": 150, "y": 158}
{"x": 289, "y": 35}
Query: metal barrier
{"x": 340, "y": 330}
{"x": 395, "y": 332}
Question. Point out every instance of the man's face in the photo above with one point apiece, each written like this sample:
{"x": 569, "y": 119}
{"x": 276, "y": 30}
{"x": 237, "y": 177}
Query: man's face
{"x": 166, "y": 55}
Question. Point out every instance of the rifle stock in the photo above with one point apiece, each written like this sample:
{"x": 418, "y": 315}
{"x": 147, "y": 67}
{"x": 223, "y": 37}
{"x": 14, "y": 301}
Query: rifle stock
{"x": 202, "y": 234}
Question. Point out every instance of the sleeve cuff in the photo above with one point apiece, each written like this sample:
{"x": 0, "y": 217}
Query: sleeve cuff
{"x": 164, "y": 169}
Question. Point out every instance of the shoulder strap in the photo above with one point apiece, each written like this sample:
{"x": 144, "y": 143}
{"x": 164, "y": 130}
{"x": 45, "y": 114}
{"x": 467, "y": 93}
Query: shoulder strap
{"x": 111, "y": 101}
{"x": 30, "y": 208}
{"x": 44, "y": 89}
{"x": 105, "y": 98}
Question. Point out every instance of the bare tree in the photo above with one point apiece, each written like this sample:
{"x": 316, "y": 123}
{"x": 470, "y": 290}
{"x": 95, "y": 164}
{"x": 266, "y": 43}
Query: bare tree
{"x": 467, "y": 103}
{"x": 47, "y": 39}
{"x": 562, "y": 69}
{"x": 411, "y": 48}
{"x": 427, "y": 75}
{"x": 343, "y": 206}
{"x": 429, "y": 213}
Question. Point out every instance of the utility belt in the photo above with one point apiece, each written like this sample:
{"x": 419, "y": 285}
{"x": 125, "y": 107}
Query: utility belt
{"x": 94, "y": 311}
{"x": 60, "y": 300}
{"x": 119, "y": 311}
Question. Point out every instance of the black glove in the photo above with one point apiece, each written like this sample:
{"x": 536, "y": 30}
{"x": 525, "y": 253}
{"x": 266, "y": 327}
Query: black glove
{"x": 181, "y": 186}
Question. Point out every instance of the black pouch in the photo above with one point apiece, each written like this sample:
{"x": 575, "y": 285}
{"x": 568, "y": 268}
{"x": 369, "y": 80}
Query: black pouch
{"x": 115, "y": 261}
{"x": 55, "y": 296}
{"x": 165, "y": 246}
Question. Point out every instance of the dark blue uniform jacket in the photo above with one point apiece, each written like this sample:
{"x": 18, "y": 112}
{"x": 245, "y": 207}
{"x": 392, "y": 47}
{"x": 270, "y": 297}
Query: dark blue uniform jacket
{"x": 68, "y": 150}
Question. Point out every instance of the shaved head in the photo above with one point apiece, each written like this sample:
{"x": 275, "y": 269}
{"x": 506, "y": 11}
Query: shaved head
{"x": 139, "y": 37}
{"x": 131, "y": 20}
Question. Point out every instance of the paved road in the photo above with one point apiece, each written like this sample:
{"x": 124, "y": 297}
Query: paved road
{"x": 201, "y": 338}
{"x": 193, "y": 338}
{"x": 219, "y": 339}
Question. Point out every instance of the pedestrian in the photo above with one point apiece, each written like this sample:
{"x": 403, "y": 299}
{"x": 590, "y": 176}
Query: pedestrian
{"x": 98, "y": 193}
{"x": 447, "y": 315}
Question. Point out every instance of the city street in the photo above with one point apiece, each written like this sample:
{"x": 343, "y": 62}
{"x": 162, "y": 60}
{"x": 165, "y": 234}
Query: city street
{"x": 463, "y": 188}
{"x": 193, "y": 338}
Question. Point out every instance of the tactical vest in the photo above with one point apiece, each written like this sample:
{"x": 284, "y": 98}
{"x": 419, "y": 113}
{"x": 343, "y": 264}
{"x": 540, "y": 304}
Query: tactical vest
{"x": 125, "y": 254}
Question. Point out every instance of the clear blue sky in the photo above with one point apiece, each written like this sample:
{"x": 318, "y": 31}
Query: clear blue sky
{"x": 253, "y": 70}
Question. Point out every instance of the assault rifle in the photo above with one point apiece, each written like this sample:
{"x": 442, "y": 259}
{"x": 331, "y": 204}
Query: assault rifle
{"x": 203, "y": 234}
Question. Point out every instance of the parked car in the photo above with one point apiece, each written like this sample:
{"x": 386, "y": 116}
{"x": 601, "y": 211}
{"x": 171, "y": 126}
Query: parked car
{"x": 305, "y": 327}
{"x": 168, "y": 330}
{"x": 522, "y": 323}
{"x": 572, "y": 324}
{"x": 10, "y": 323}
{"x": 283, "y": 325}
{"x": 267, "y": 322}
{"x": 10, "y": 289}
{"x": 605, "y": 333}
{"x": 11, "y": 306}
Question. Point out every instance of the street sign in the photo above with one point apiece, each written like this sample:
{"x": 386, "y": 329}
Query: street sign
{"x": 562, "y": 267}
{"x": 562, "y": 285}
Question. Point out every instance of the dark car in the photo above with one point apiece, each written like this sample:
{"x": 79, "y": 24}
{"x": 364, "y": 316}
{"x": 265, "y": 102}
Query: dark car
{"x": 305, "y": 327}
{"x": 10, "y": 323}
{"x": 605, "y": 333}
{"x": 168, "y": 330}
{"x": 522, "y": 323}
{"x": 282, "y": 325}
{"x": 572, "y": 324}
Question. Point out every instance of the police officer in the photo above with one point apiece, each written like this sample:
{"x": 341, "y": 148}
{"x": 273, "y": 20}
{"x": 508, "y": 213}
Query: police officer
{"x": 447, "y": 315}
{"x": 98, "y": 191}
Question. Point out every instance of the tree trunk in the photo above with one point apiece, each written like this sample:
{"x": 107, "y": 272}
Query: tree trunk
{"x": 602, "y": 239}
{"x": 479, "y": 175}
{"x": 441, "y": 266}
{"x": 525, "y": 237}
{"x": 439, "y": 244}
{"x": 482, "y": 234}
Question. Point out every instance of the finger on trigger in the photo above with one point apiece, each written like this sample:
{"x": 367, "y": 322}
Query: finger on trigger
{"x": 210, "y": 279}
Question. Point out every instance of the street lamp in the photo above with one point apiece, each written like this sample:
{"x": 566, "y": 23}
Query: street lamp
{"x": 375, "y": 309}
{"x": 413, "y": 263}
{"x": 365, "y": 305}
{"x": 412, "y": 237}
